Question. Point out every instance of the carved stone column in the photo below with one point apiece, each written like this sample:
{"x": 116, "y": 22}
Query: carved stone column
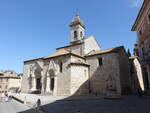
{"x": 55, "y": 86}
{"x": 43, "y": 82}
{"x": 48, "y": 85}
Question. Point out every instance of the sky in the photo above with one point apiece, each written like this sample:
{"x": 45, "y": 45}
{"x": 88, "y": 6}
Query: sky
{"x": 35, "y": 28}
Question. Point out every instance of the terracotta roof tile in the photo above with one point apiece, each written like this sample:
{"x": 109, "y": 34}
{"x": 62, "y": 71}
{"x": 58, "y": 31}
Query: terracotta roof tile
{"x": 104, "y": 51}
{"x": 59, "y": 52}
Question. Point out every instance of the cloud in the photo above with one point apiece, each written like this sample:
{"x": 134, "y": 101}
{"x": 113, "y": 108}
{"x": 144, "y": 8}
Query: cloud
{"x": 136, "y": 3}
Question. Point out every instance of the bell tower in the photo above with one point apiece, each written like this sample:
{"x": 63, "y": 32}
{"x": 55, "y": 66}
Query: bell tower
{"x": 77, "y": 29}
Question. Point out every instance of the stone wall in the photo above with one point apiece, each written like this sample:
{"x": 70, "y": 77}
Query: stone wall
{"x": 90, "y": 44}
{"x": 76, "y": 49}
{"x": 137, "y": 76}
{"x": 63, "y": 78}
{"x": 79, "y": 80}
{"x": 14, "y": 82}
{"x": 125, "y": 76}
{"x": 105, "y": 79}
{"x": 75, "y": 58}
{"x": 9, "y": 73}
{"x": 25, "y": 80}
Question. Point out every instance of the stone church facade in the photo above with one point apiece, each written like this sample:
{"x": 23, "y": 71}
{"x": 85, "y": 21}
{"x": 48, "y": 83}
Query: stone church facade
{"x": 79, "y": 68}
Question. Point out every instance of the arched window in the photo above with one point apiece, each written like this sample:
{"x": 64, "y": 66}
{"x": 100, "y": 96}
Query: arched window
{"x": 52, "y": 84}
{"x": 75, "y": 34}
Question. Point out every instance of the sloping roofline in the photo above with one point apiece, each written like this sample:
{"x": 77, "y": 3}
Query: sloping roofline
{"x": 33, "y": 59}
{"x": 65, "y": 55}
{"x": 98, "y": 52}
{"x": 44, "y": 58}
{"x": 139, "y": 15}
{"x": 70, "y": 45}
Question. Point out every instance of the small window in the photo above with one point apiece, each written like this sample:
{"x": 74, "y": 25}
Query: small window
{"x": 85, "y": 73}
{"x": 75, "y": 34}
{"x": 149, "y": 18}
{"x": 81, "y": 34}
{"x": 60, "y": 66}
{"x": 100, "y": 62}
{"x": 140, "y": 32}
{"x": 7, "y": 80}
{"x": 0, "y": 86}
{"x": 6, "y": 87}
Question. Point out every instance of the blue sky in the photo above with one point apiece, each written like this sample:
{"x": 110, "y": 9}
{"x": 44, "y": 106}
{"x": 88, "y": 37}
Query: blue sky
{"x": 34, "y": 28}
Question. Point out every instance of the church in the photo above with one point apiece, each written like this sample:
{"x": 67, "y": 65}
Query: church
{"x": 80, "y": 68}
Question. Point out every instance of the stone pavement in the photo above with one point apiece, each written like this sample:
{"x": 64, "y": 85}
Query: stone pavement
{"x": 127, "y": 104}
{"x": 30, "y": 99}
{"x": 131, "y": 104}
{"x": 14, "y": 107}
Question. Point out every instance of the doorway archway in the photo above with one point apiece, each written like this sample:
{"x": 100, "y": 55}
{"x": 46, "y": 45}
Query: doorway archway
{"x": 52, "y": 79}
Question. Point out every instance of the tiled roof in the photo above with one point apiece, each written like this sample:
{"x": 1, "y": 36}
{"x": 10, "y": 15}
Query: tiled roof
{"x": 33, "y": 59}
{"x": 5, "y": 75}
{"x": 104, "y": 51}
{"x": 58, "y": 52}
{"x": 71, "y": 45}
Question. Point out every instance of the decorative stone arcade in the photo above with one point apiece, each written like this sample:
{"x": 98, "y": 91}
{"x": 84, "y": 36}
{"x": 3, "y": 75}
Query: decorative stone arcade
{"x": 35, "y": 78}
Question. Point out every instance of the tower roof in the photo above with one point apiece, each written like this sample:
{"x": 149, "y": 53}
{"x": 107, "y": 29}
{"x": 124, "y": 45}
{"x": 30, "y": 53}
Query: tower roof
{"x": 76, "y": 20}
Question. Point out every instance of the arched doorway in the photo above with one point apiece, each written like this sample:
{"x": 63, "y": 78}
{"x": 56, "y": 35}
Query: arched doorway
{"x": 52, "y": 84}
{"x": 38, "y": 78}
{"x": 52, "y": 79}
{"x": 38, "y": 84}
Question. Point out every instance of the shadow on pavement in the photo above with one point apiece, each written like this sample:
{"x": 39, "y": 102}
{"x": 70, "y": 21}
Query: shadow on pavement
{"x": 128, "y": 104}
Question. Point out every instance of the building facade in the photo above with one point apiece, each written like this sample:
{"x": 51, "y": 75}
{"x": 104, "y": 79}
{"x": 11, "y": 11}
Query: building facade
{"x": 9, "y": 81}
{"x": 79, "y": 68}
{"x": 142, "y": 46}
{"x": 136, "y": 75}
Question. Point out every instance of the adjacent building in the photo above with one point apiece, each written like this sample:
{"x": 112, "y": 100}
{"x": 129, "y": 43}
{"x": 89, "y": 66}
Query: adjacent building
{"x": 79, "y": 68}
{"x": 136, "y": 75}
{"x": 142, "y": 46}
{"x": 9, "y": 81}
